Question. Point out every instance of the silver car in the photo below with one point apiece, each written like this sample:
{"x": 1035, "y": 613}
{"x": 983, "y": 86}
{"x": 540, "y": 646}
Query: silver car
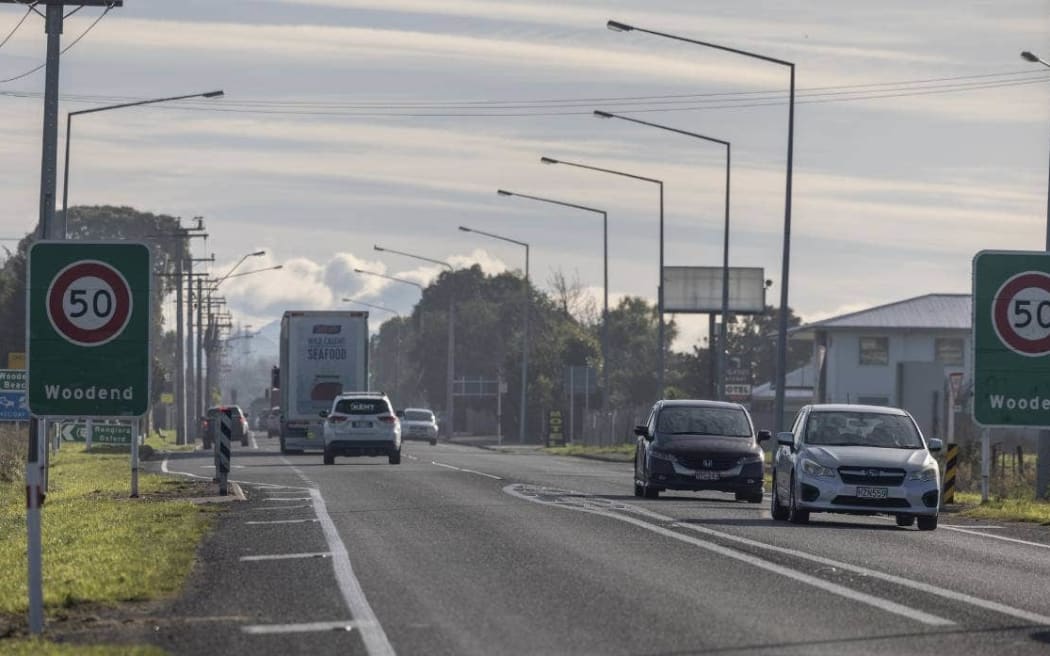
{"x": 418, "y": 424}
{"x": 856, "y": 459}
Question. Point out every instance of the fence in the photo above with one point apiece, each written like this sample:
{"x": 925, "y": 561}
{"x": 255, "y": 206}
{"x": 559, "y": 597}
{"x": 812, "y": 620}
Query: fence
{"x": 595, "y": 428}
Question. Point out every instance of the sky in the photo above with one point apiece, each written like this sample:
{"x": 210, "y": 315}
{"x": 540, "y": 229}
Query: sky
{"x": 921, "y": 138}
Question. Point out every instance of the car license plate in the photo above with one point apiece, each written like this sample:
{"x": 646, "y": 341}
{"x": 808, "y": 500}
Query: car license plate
{"x": 872, "y": 492}
{"x": 360, "y": 424}
{"x": 707, "y": 476}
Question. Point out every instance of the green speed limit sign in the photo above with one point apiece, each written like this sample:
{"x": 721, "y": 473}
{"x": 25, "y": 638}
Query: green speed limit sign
{"x": 1011, "y": 337}
{"x": 89, "y": 328}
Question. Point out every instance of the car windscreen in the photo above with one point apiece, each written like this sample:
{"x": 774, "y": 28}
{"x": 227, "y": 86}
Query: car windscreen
{"x": 418, "y": 415}
{"x": 700, "y": 420}
{"x": 862, "y": 429}
{"x": 362, "y": 407}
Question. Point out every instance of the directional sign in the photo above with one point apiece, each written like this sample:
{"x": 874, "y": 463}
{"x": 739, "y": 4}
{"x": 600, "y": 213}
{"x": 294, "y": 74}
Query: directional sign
{"x": 1011, "y": 337}
{"x": 13, "y": 406}
{"x": 89, "y": 328}
{"x": 101, "y": 433}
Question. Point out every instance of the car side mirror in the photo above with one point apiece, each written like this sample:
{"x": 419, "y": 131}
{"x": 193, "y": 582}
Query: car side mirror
{"x": 641, "y": 431}
{"x": 400, "y": 413}
{"x": 324, "y": 414}
{"x": 786, "y": 439}
{"x": 764, "y": 435}
{"x": 935, "y": 444}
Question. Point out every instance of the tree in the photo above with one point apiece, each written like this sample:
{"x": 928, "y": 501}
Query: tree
{"x": 754, "y": 341}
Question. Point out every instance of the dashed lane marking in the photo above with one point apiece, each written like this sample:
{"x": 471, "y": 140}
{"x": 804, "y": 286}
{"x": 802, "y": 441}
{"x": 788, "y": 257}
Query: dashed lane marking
{"x": 298, "y": 556}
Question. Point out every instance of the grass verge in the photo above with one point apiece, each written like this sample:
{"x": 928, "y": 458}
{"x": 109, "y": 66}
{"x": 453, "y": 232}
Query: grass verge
{"x": 617, "y": 452}
{"x": 1007, "y": 509}
{"x": 100, "y": 547}
{"x": 45, "y": 648}
{"x": 165, "y": 441}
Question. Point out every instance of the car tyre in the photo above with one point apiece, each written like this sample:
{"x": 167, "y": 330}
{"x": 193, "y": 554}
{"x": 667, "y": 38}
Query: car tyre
{"x": 433, "y": 441}
{"x": 776, "y": 510}
{"x": 926, "y": 522}
{"x": 639, "y": 491}
{"x": 905, "y": 520}
{"x": 395, "y": 457}
{"x": 795, "y": 514}
{"x": 329, "y": 457}
{"x": 650, "y": 492}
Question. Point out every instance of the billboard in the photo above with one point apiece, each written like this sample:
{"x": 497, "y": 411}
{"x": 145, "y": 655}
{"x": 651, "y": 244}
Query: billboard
{"x": 699, "y": 290}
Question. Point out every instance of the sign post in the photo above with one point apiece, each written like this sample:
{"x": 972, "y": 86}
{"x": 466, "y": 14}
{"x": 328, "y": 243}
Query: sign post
{"x": 1011, "y": 342}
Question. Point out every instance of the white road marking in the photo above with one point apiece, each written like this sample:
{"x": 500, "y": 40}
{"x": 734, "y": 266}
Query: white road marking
{"x": 411, "y": 457}
{"x": 164, "y": 468}
{"x": 298, "y": 556}
{"x": 251, "y": 436}
{"x": 467, "y": 471}
{"x": 287, "y": 499}
{"x": 267, "y": 629}
{"x": 816, "y": 582}
{"x": 945, "y": 593}
{"x": 1041, "y": 545}
{"x": 305, "y": 505}
{"x": 372, "y": 633}
{"x": 283, "y": 521}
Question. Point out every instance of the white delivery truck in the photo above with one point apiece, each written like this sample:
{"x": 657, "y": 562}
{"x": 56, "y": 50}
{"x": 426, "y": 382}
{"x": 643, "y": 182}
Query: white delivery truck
{"x": 323, "y": 354}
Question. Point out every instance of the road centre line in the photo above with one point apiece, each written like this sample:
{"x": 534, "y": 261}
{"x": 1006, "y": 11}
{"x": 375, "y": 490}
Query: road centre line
{"x": 945, "y": 593}
{"x": 267, "y": 629}
{"x": 822, "y": 584}
{"x": 372, "y": 634}
{"x": 298, "y": 556}
{"x": 282, "y": 521}
{"x": 468, "y": 471}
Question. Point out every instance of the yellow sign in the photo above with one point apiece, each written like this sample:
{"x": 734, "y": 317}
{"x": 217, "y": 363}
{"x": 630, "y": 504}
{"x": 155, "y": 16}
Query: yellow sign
{"x": 16, "y": 360}
{"x": 167, "y": 397}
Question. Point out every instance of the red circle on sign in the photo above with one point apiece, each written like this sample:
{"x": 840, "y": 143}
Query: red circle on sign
{"x": 121, "y": 303}
{"x": 1001, "y": 311}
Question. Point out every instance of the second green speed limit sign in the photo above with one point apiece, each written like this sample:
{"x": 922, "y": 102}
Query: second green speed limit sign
{"x": 89, "y": 328}
{"x": 1011, "y": 337}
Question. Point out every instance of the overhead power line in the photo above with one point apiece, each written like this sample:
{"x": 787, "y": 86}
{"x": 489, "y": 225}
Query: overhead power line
{"x": 64, "y": 50}
{"x": 10, "y": 34}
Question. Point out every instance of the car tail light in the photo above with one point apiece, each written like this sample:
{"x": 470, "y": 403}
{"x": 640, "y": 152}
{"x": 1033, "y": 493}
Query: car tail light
{"x": 336, "y": 419}
{"x": 388, "y": 419}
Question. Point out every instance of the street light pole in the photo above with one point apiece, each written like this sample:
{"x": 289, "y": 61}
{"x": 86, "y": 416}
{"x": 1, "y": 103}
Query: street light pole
{"x": 723, "y": 337}
{"x": 1042, "y": 473}
{"x": 661, "y": 346}
{"x": 781, "y": 375}
{"x": 605, "y": 280}
{"x": 525, "y": 332}
{"x": 397, "y": 352}
{"x": 450, "y": 372}
{"x": 69, "y": 134}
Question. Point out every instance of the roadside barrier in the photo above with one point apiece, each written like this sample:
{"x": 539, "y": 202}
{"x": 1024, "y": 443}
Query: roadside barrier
{"x": 951, "y": 465}
{"x": 223, "y": 450}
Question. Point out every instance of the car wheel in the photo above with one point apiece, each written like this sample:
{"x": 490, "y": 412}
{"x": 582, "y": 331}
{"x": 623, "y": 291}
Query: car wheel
{"x": 245, "y": 442}
{"x": 329, "y": 457}
{"x": 283, "y": 449}
{"x": 395, "y": 457}
{"x": 926, "y": 522}
{"x": 795, "y": 514}
{"x": 905, "y": 520}
{"x": 777, "y": 510}
{"x": 755, "y": 497}
{"x": 433, "y": 442}
{"x": 638, "y": 489}
{"x": 650, "y": 492}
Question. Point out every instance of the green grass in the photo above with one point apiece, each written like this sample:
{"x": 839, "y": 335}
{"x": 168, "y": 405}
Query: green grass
{"x": 584, "y": 451}
{"x": 165, "y": 441}
{"x": 100, "y": 547}
{"x": 44, "y": 648}
{"x": 1013, "y": 509}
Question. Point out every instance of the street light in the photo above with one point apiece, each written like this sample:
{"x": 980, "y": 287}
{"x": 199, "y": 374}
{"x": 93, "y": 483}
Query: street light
{"x": 239, "y": 263}
{"x": 1042, "y": 474}
{"x": 397, "y": 352}
{"x": 395, "y": 279}
{"x": 525, "y": 332}
{"x": 782, "y": 330}
{"x": 276, "y": 267}
{"x": 450, "y": 373}
{"x": 660, "y": 277}
{"x": 605, "y": 279}
{"x": 723, "y": 341}
{"x": 69, "y": 127}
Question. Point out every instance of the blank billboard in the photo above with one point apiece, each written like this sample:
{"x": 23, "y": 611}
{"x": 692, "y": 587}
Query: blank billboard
{"x": 699, "y": 290}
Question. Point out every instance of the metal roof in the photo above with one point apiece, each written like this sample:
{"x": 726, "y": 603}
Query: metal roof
{"x": 931, "y": 312}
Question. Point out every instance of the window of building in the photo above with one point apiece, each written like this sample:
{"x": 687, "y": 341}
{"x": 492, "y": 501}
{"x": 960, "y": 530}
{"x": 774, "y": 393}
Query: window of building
{"x": 874, "y": 350}
{"x": 948, "y": 350}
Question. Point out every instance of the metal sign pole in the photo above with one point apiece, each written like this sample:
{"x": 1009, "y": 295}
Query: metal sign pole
{"x": 135, "y": 458}
{"x": 986, "y": 463}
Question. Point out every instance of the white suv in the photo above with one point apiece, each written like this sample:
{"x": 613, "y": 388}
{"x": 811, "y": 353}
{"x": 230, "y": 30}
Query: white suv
{"x": 361, "y": 424}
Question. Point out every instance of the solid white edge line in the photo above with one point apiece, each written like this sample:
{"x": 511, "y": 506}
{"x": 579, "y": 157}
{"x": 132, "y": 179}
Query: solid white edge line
{"x": 439, "y": 464}
{"x": 466, "y": 471}
{"x": 816, "y": 582}
{"x": 251, "y": 436}
{"x": 309, "y": 627}
{"x": 997, "y": 537}
{"x": 372, "y": 634}
{"x": 287, "y": 499}
{"x": 297, "y": 556}
{"x": 280, "y": 521}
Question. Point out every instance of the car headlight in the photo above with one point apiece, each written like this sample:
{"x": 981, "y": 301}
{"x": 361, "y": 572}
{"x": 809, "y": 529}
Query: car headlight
{"x": 660, "y": 455}
{"x": 749, "y": 459}
{"x": 926, "y": 474}
{"x": 810, "y": 468}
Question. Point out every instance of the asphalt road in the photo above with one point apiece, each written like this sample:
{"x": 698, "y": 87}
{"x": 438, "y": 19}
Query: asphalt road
{"x": 461, "y": 550}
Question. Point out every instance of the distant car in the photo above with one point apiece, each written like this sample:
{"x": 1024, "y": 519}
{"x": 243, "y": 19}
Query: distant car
{"x": 240, "y": 427}
{"x": 418, "y": 424}
{"x": 699, "y": 445}
{"x": 856, "y": 459}
{"x": 361, "y": 424}
{"x": 273, "y": 422}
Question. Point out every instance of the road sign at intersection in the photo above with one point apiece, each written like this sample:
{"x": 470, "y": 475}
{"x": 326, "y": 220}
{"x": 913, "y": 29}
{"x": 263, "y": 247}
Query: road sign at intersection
{"x": 89, "y": 329}
{"x": 1011, "y": 338}
{"x": 100, "y": 433}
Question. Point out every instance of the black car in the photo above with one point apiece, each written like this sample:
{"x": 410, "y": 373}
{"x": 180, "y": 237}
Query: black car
{"x": 699, "y": 445}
